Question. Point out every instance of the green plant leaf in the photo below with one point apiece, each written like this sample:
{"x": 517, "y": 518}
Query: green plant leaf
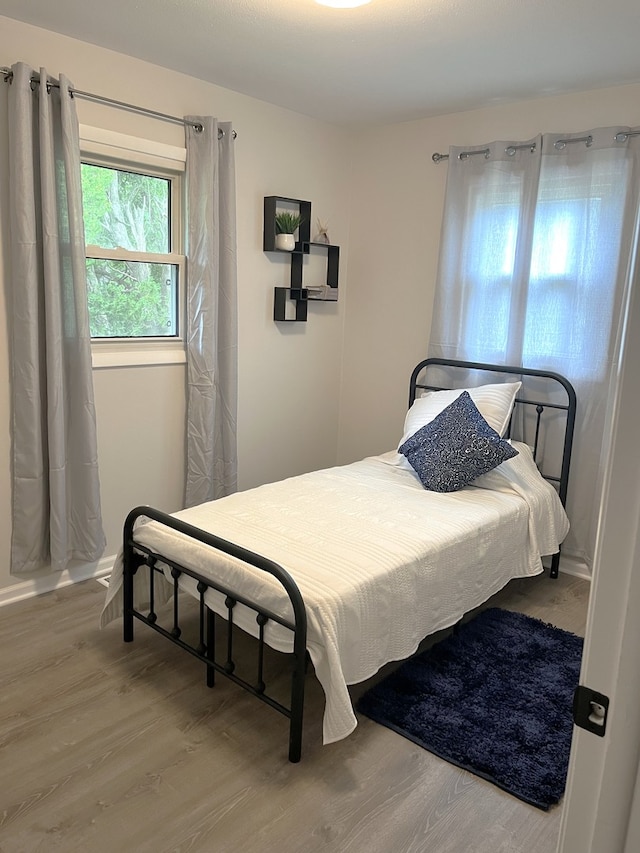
{"x": 286, "y": 223}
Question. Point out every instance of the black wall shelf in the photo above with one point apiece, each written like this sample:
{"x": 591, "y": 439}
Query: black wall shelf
{"x": 326, "y": 291}
{"x": 275, "y": 204}
{"x": 296, "y": 300}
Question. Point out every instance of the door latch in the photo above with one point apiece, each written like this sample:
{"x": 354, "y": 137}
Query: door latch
{"x": 590, "y": 710}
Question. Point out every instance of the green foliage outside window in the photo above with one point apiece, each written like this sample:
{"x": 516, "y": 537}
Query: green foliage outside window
{"x": 130, "y": 211}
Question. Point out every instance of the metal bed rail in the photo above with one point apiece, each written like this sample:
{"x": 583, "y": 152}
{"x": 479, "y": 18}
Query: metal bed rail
{"x": 136, "y": 555}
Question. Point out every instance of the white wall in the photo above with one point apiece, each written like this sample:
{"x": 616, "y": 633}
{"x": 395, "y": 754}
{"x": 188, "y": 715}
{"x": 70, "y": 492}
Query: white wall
{"x": 289, "y": 376}
{"x": 335, "y": 388}
{"x": 398, "y": 195}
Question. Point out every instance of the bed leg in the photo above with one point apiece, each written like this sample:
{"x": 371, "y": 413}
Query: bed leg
{"x": 127, "y": 596}
{"x": 297, "y": 706}
{"x": 295, "y": 741}
{"x": 211, "y": 646}
{"x": 555, "y": 562}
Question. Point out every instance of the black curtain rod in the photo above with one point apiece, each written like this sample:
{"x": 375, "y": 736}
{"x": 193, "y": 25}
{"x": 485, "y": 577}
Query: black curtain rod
{"x": 122, "y": 105}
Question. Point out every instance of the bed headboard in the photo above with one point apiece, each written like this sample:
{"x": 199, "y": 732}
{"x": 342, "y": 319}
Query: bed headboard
{"x": 543, "y": 416}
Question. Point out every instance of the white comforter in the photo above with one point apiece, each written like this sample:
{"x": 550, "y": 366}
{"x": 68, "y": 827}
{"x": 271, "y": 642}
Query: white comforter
{"x": 380, "y": 562}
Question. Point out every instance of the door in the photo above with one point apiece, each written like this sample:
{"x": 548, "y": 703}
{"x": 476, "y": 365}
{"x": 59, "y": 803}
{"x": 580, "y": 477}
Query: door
{"x": 602, "y": 802}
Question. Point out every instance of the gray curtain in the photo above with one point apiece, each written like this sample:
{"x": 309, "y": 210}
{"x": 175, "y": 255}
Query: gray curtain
{"x": 212, "y": 372}
{"x": 56, "y": 494}
{"x": 538, "y": 245}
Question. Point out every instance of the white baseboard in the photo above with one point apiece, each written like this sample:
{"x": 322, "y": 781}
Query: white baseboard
{"x": 570, "y": 565}
{"x": 37, "y": 586}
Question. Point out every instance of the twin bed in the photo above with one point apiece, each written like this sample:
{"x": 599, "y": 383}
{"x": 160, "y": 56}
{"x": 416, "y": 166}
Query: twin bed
{"x": 353, "y": 566}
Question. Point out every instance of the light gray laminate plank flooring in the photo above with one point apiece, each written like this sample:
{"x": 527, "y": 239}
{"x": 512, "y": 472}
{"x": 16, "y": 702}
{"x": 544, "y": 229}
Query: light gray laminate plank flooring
{"x": 106, "y": 746}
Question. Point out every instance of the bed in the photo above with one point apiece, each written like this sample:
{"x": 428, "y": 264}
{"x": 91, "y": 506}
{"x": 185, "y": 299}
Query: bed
{"x": 353, "y": 566}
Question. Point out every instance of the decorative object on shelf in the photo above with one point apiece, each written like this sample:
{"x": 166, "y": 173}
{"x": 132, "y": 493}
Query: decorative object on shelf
{"x": 285, "y": 242}
{"x": 286, "y": 226}
{"x": 282, "y": 217}
{"x": 276, "y": 205}
{"x": 322, "y": 236}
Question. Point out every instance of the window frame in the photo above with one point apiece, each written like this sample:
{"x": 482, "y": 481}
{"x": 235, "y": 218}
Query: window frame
{"x": 129, "y": 153}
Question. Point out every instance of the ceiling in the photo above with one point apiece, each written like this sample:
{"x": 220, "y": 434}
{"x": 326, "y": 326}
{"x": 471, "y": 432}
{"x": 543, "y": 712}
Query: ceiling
{"x": 389, "y": 61}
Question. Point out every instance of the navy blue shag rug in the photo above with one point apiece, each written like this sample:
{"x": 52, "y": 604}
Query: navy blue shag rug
{"x": 494, "y": 698}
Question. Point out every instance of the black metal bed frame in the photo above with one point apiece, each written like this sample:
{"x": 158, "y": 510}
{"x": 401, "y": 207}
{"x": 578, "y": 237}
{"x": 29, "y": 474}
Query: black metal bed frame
{"x": 136, "y": 556}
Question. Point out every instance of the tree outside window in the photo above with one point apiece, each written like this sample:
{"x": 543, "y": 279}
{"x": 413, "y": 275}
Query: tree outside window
{"x": 132, "y": 276}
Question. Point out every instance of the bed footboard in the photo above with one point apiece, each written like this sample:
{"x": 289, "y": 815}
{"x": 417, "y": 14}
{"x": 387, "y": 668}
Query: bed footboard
{"x": 137, "y": 556}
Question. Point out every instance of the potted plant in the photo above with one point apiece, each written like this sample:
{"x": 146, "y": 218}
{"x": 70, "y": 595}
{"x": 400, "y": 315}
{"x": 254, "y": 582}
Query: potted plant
{"x": 286, "y": 225}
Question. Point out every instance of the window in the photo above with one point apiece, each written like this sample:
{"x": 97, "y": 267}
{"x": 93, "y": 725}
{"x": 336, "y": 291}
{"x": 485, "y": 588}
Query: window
{"x": 537, "y": 266}
{"x": 541, "y": 282}
{"x": 133, "y": 236}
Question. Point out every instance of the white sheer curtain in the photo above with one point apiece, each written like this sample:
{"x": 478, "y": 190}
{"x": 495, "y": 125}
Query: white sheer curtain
{"x": 56, "y": 493}
{"x": 212, "y": 371}
{"x": 538, "y": 242}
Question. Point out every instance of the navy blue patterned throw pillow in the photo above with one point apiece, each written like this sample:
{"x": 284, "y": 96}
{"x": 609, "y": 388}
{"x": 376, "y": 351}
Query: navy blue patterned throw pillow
{"x": 457, "y": 446}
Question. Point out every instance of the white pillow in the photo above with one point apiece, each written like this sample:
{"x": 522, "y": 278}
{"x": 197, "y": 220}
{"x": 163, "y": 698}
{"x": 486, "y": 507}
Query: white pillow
{"x": 495, "y": 403}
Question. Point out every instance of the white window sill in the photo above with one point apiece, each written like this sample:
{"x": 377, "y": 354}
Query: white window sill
{"x": 136, "y": 357}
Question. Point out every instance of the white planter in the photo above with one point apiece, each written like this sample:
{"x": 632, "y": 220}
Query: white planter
{"x": 285, "y": 242}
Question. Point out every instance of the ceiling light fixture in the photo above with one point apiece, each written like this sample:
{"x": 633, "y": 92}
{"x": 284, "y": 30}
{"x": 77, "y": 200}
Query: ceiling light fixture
{"x": 343, "y": 4}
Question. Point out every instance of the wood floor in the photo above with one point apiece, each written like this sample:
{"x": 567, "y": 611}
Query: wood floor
{"x": 112, "y": 747}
